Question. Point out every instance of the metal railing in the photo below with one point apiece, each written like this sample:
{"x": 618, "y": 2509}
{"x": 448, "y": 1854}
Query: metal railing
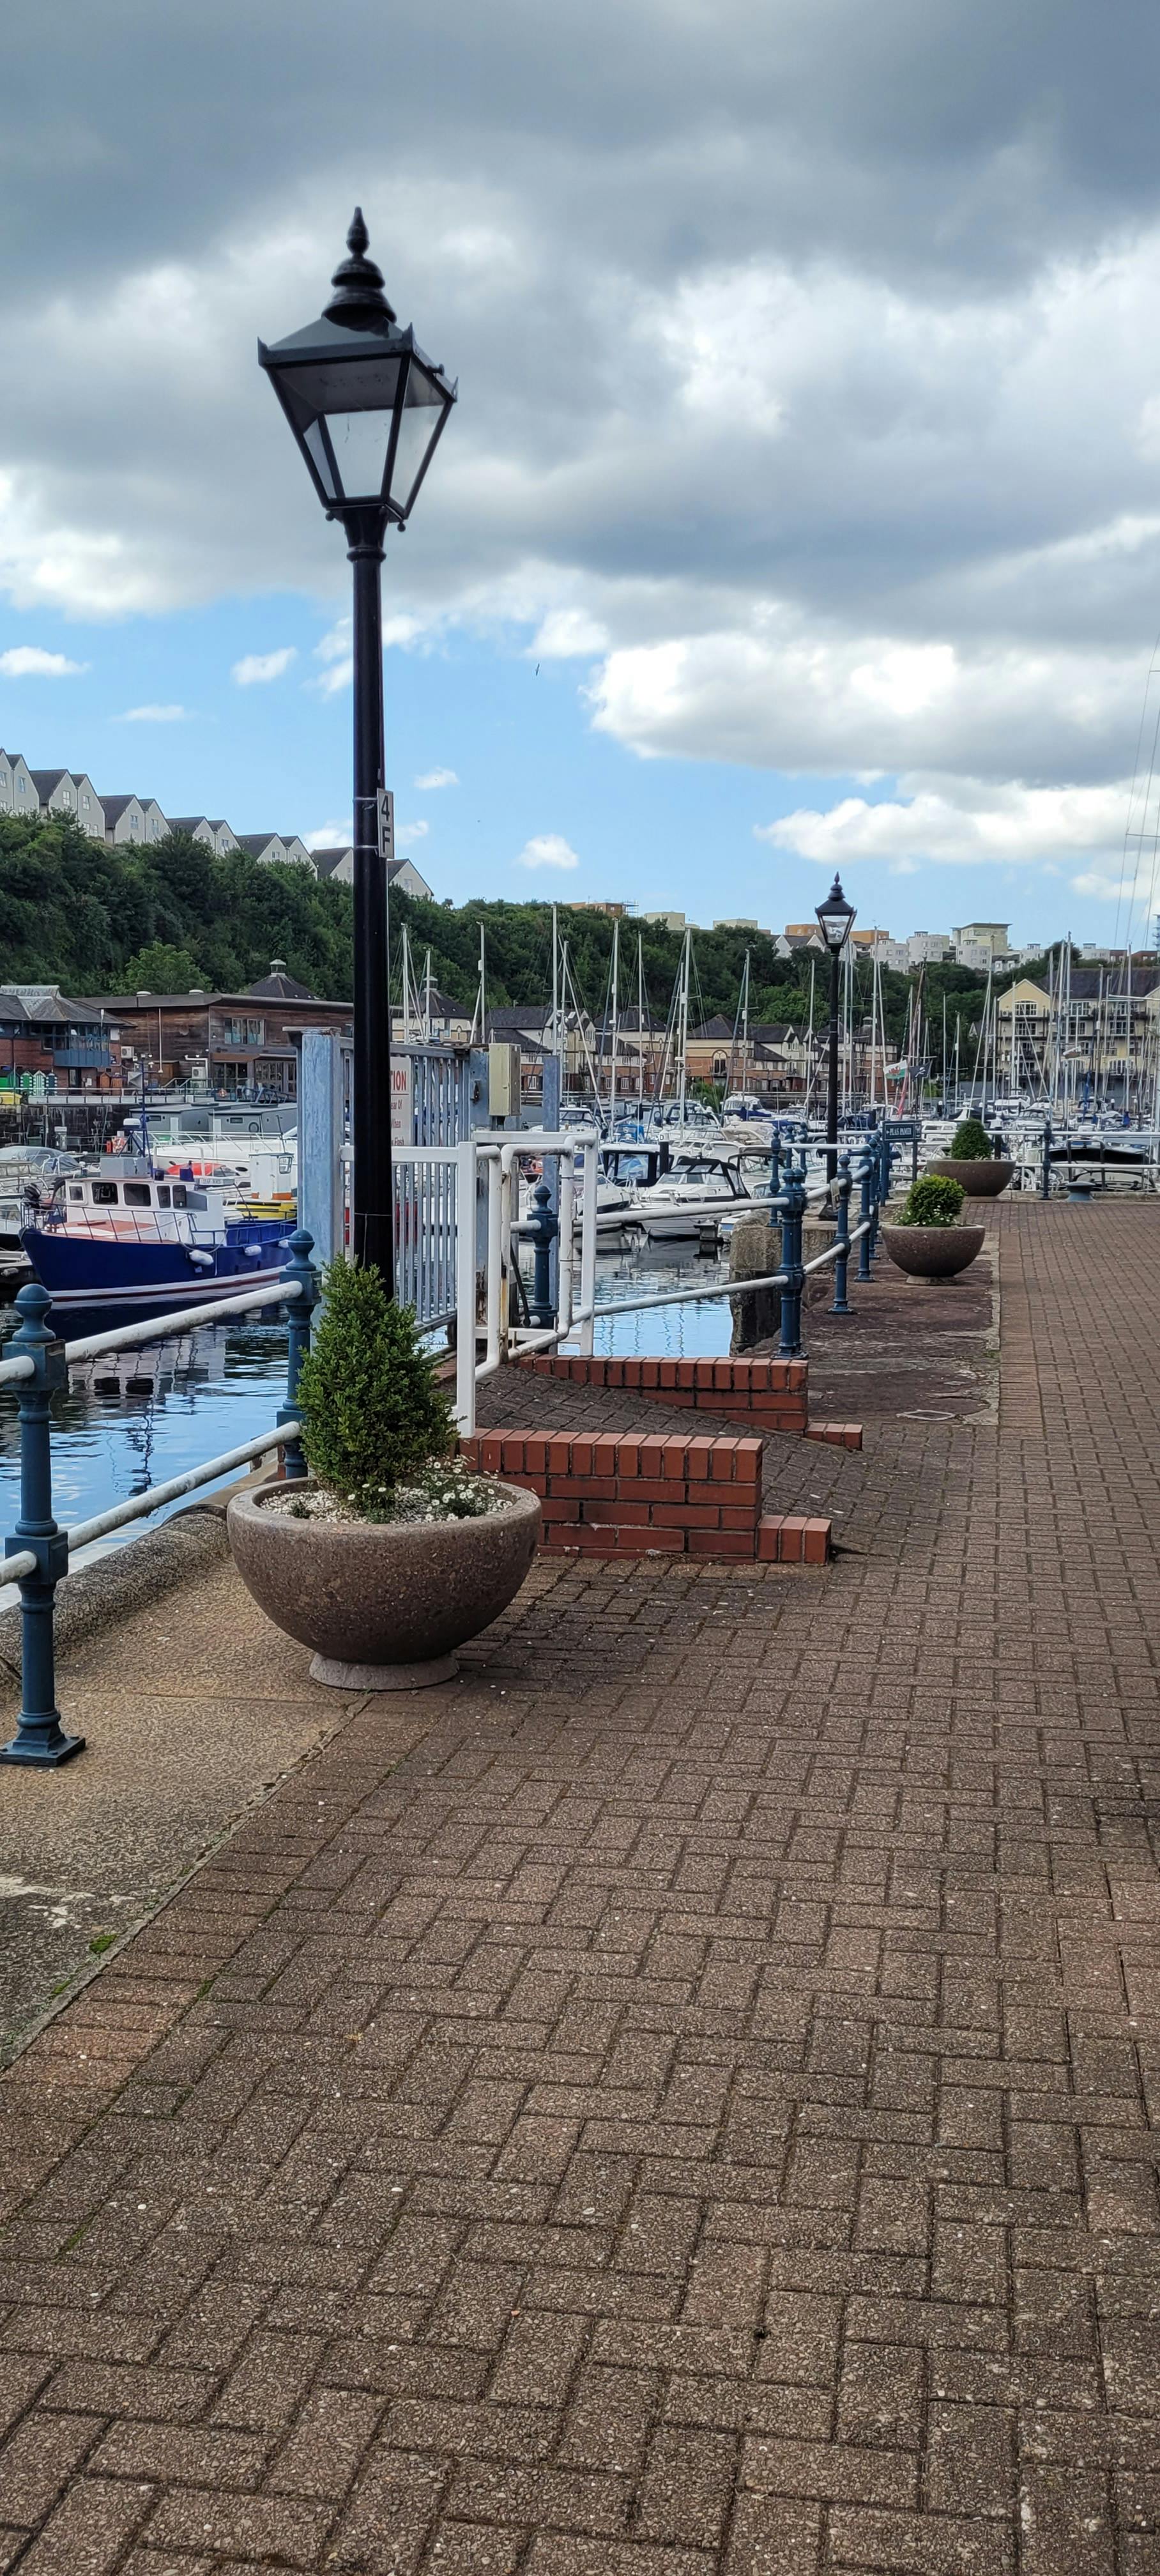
{"x": 37, "y": 1367}
{"x": 488, "y": 1165}
{"x": 788, "y": 1199}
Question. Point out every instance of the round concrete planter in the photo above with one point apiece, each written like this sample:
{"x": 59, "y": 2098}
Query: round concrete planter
{"x": 930, "y": 1251}
{"x": 979, "y": 1180}
{"x": 384, "y": 1604}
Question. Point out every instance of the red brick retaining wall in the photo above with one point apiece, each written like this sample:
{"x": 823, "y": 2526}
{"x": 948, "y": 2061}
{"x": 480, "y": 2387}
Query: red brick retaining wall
{"x": 618, "y": 1495}
{"x": 771, "y": 1393}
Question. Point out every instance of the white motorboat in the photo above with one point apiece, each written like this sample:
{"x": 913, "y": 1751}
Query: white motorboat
{"x": 24, "y": 1169}
{"x": 688, "y": 1199}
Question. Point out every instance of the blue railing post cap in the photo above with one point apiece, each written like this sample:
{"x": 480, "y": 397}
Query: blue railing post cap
{"x": 33, "y": 1338}
{"x": 32, "y": 1304}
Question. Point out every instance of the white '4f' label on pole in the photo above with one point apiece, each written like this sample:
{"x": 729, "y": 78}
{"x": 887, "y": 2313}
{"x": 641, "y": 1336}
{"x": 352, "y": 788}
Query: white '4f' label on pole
{"x": 386, "y": 824}
{"x": 402, "y": 1100}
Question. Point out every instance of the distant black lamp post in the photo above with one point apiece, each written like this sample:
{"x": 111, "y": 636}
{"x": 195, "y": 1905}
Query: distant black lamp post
{"x": 837, "y": 918}
{"x": 368, "y": 410}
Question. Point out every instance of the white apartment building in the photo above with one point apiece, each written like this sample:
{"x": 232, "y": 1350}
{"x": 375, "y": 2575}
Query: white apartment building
{"x": 990, "y": 939}
{"x": 17, "y": 786}
{"x": 200, "y": 827}
{"x": 68, "y": 792}
{"x": 273, "y": 848}
{"x": 139, "y": 821}
{"x": 335, "y": 865}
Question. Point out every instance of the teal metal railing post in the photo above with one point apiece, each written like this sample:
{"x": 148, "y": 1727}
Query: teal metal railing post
{"x": 841, "y": 1303}
{"x": 865, "y": 1175}
{"x": 792, "y": 1205}
{"x": 301, "y": 1270}
{"x": 40, "y": 1739}
{"x": 881, "y": 1189}
{"x": 543, "y": 1227}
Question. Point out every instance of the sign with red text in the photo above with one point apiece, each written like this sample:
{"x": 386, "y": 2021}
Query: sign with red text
{"x": 402, "y": 1100}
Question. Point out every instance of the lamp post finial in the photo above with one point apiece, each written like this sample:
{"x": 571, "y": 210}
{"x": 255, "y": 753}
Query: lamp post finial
{"x": 358, "y": 298}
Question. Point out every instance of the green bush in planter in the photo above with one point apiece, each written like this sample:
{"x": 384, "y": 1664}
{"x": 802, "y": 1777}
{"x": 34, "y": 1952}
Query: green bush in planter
{"x": 372, "y": 1411}
{"x": 971, "y": 1142}
{"x": 932, "y": 1201}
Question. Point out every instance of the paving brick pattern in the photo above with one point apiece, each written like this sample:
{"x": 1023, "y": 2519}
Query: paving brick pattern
{"x": 693, "y": 2111}
{"x": 766, "y": 1392}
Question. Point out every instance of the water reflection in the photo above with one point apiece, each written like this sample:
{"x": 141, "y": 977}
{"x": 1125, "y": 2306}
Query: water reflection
{"x": 131, "y": 1418}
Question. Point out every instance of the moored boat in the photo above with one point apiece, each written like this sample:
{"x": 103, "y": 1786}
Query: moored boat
{"x": 140, "y": 1239}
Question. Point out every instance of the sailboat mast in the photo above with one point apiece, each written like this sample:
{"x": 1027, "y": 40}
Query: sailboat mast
{"x": 684, "y": 1024}
{"x": 480, "y": 1012}
{"x": 615, "y": 1017}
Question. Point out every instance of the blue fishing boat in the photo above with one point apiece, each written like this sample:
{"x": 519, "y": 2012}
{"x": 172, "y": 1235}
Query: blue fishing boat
{"x": 126, "y": 1236}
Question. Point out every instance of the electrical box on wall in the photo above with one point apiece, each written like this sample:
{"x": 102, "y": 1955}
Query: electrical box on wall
{"x": 503, "y": 1073}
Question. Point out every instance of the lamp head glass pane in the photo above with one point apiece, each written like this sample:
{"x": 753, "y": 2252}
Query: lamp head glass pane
{"x": 836, "y": 916}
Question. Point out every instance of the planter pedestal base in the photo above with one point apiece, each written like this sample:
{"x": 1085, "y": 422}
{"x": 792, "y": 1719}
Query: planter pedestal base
{"x": 383, "y": 1677}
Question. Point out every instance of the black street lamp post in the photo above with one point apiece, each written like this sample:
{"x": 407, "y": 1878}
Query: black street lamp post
{"x": 837, "y": 918}
{"x": 367, "y": 410}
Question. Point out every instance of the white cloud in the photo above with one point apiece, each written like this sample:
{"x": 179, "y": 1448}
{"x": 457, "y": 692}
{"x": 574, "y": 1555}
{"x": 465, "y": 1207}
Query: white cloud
{"x": 337, "y": 657}
{"x": 255, "y": 668}
{"x": 155, "y": 715}
{"x": 547, "y": 850}
{"x": 1101, "y": 885}
{"x": 330, "y": 836}
{"x": 28, "y": 662}
{"x": 779, "y": 691}
{"x": 956, "y": 822}
{"x": 408, "y": 833}
{"x": 433, "y": 778}
{"x": 567, "y": 634}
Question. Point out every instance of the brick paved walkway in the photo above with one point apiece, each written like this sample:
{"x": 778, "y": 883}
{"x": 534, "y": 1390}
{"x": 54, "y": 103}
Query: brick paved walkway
{"x": 693, "y": 2112}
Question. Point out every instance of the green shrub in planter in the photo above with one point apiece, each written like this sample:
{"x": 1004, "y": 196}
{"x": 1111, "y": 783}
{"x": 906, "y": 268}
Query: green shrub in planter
{"x": 971, "y": 1142}
{"x": 373, "y": 1413}
{"x": 932, "y": 1201}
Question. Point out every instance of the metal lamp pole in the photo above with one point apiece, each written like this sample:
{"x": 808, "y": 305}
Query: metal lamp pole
{"x": 832, "y": 1071}
{"x": 836, "y": 918}
{"x": 371, "y": 1196}
{"x": 367, "y": 410}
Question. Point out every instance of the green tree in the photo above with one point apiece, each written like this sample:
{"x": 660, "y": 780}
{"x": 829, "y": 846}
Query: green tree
{"x": 161, "y": 969}
{"x": 373, "y": 1412}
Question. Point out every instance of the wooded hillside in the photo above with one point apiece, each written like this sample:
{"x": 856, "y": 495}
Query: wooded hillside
{"x": 96, "y": 920}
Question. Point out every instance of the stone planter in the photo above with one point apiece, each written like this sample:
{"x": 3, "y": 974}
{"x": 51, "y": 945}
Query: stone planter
{"x": 982, "y": 1180}
{"x": 930, "y": 1251}
{"x": 383, "y": 1604}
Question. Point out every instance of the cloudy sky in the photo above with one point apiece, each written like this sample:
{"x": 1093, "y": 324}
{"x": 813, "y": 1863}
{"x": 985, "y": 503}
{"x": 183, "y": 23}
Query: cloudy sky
{"x": 802, "y": 504}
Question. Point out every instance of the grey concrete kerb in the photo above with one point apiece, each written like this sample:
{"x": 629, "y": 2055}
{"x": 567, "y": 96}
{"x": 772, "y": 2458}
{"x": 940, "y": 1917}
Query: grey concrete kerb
{"x": 104, "y": 1593}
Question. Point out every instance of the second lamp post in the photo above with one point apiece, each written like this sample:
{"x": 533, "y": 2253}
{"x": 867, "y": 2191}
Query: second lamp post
{"x": 837, "y": 918}
{"x": 367, "y": 410}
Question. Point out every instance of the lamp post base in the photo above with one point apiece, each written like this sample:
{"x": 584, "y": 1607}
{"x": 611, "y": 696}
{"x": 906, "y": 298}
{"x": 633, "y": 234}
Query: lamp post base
{"x": 41, "y": 1748}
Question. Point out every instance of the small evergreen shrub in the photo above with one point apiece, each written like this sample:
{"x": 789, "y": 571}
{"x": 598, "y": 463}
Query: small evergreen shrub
{"x": 933, "y": 1201}
{"x": 373, "y": 1414}
{"x": 971, "y": 1142}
